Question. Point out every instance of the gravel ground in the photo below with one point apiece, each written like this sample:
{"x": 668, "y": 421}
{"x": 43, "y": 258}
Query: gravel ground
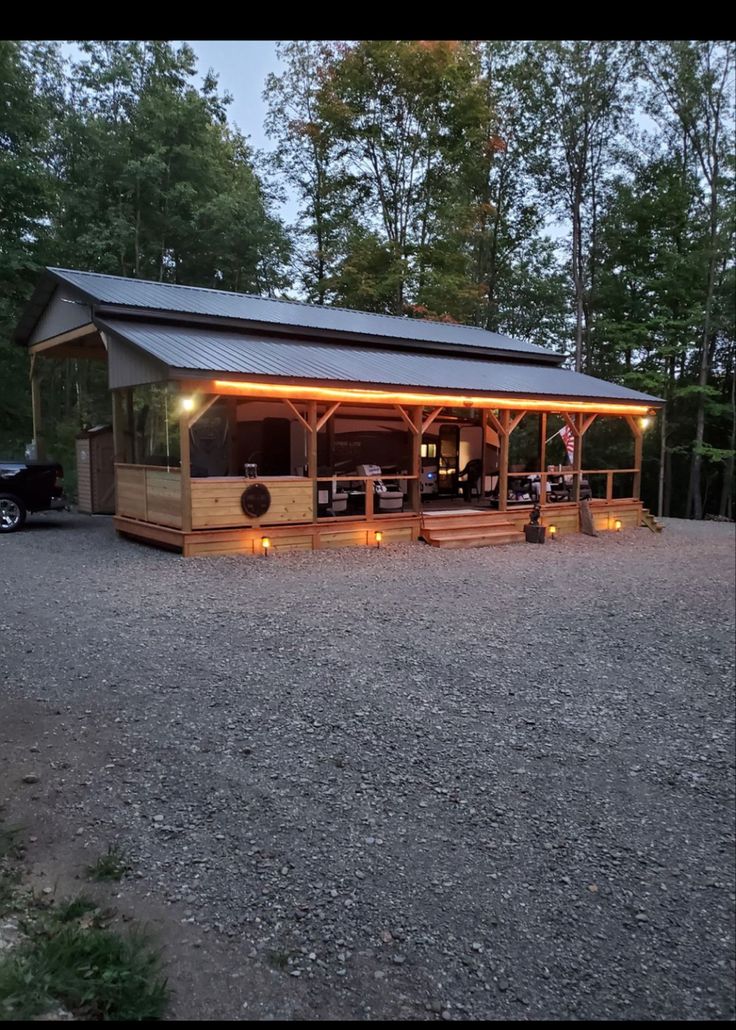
{"x": 409, "y": 783}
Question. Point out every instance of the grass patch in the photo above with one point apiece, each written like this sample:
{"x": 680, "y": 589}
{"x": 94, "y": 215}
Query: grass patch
{"x": 74, "y": 908}
{"x": 68, "y": 956}
{"x": 95, "y": 973}
{"x": 10, "y": 845}
{"x": 113, "y": 865}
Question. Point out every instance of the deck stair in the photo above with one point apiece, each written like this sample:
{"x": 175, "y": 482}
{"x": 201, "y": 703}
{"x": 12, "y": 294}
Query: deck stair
{"x": 648, "y": 520}
{"x": 469, "y": 529}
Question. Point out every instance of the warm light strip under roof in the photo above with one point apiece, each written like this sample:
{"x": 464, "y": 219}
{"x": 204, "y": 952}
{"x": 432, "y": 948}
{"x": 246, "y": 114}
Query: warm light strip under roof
{"x": 361, "y": 396}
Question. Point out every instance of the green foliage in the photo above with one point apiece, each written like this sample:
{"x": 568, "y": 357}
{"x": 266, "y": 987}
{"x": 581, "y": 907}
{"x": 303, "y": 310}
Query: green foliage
{"x": 113, "y": 865}
{"x": 93, "y": 972}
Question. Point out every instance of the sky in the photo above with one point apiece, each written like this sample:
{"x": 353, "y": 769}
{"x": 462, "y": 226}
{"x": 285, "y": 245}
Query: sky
{"x": 241, "y": 67}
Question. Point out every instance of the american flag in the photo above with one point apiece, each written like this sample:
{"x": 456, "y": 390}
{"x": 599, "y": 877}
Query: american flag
{"x": 568, "y": 438}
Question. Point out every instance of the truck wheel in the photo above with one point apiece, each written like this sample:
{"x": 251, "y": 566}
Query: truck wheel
{"x": 12, "y": 513}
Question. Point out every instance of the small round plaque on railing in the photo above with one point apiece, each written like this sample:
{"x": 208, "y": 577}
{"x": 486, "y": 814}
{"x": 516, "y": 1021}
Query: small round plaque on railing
{"x": 256, "y": 500}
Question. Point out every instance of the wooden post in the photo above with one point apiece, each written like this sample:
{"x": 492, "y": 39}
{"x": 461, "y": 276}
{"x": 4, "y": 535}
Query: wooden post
{"x": 119, "y": 442}
{"x": 609, "y": 486}
{"x": 312, "y": 453}
{"x": 638, "y": 452}
{"x": 38, "y": 434}
{"x": 577, "y": 461}
{"x": 186, "y": 473}
{"x": 503, "y": 461}
{"x": 369, "y": 490}
{"x": 543, "y": 458}
{"x": 130, "y": 423}
{"x": 415, "y": 439}
{"x": 483, "y": 424}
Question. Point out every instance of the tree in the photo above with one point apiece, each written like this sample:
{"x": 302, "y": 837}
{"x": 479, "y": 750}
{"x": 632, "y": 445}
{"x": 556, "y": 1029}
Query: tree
{"x": 404, "y": 114}
{"x": 692, "y": 94}
{"x": 306, "y": 156}
{"x": 30, "y": 83}
{"x": 580, "y": 89}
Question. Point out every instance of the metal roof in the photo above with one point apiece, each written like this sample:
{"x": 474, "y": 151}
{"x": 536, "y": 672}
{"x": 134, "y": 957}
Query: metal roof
{"x": 194, "y": 300}
{"x": 219, "y": 351}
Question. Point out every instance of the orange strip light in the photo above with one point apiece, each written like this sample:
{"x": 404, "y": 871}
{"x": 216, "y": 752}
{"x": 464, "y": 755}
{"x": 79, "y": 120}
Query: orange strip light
{"x": 358, "y": 396}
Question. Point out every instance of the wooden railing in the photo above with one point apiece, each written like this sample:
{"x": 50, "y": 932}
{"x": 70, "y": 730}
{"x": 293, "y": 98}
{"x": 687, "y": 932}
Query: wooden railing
{"x": 368, "y": 494}
{"x": 149, "y": 493}
{"x": 570, "y": 476}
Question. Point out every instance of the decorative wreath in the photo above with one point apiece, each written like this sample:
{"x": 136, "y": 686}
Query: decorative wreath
{"x": 255, "y": 500}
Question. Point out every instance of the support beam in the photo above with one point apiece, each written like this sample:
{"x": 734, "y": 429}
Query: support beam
{"x": 415, "y": 467}
{"x": 543, "y": 458}
{"x": 588, "y": 421}
{"x": 119, "y": 438}
{"x": 38, "y": 434}
{"x": 312, "y": 452}
{"x": 130, "y": 424}
{"x": 301, "y": 419}
{"x": 327, "y": 416}
{"x": 407, "y": 419}
{"x": 503, "y": 462}
{"x": 572, "y": 423}
{"x": 483, "y": 423}
{"x": 196, "y": 416}
{"x": 430, "y": 419}
{"x": 515, "y": 421}
{"x": 577, "y": 461}
{"x": 186, "y": 473}
{"x": 637, "y": 433}
{"x": 493, "y": 422}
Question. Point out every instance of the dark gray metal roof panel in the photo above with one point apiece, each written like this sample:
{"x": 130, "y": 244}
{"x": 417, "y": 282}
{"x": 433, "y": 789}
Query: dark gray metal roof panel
{"x": 205, "y": 350}
{"x": 195, "y": 300}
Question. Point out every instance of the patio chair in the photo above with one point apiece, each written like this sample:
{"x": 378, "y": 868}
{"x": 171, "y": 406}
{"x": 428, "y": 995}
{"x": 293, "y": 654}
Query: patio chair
{"x": 386, "y": 498}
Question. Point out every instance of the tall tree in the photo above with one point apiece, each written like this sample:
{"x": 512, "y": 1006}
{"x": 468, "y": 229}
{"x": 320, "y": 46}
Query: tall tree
{"x": 306, "y": 157}
{"x": 692, "y": 93}
{"x": 30, "y": 86}
{"x": 404, "y": 113}
{"x": 580, "y": 90}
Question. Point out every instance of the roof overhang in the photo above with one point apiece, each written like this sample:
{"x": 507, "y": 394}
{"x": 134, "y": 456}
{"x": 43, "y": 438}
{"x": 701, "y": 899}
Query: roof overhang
{"x": 366, "y": 393}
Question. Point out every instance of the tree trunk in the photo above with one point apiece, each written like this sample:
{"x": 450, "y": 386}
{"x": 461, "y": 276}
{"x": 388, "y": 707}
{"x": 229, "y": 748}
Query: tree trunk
{"x": 577, "y": 274}
{"x": 724, "y": 508}
{"x": 662, "y": 460}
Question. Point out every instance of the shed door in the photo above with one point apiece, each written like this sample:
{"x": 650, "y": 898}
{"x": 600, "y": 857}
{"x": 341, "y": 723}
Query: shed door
{"x": 103, "y": 474}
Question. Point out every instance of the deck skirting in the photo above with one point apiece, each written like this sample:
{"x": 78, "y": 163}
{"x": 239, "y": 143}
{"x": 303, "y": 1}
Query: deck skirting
{"x": 346, "y": 532}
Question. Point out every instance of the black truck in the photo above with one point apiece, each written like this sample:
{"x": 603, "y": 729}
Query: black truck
{"x": 24, "y": 487}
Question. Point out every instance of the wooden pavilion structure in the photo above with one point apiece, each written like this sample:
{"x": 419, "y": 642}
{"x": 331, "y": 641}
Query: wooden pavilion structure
{"x": 240, "y": 421}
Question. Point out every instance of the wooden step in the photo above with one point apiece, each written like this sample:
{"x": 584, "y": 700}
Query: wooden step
{"x": 473, "y": 536}
{"x": 479, "y": 540}
{"x": 473, "y": 520}
{"x": 650, "y": 522}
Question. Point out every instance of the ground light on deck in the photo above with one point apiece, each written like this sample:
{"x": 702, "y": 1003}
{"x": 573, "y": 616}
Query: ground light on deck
{"x": 552, "y": 530}
{"x": 379, "y": 537}
{"x": 265, "y": 544}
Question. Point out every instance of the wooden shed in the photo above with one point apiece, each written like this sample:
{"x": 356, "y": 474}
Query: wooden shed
{"x": 96, "y": 471}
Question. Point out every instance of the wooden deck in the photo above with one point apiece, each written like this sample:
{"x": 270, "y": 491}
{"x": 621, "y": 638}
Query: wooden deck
{"x": 470, "y": 528}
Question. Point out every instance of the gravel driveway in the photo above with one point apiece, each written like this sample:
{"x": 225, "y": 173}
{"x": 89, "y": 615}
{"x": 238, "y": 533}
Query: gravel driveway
{"x": 406, "y": 783}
